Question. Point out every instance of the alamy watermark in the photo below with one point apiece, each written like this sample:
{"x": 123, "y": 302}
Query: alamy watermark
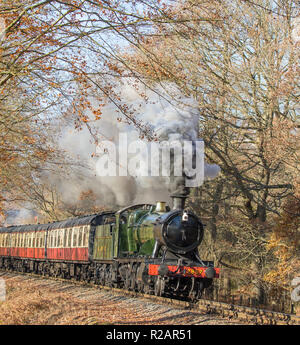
{"x": 178, "y": 158}
{"x": 2, "y": 290}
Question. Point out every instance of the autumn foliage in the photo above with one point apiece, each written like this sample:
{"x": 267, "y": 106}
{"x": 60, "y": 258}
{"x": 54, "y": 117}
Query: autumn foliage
{"x": 285, "y": 243}
{"x": 66, "y": 60}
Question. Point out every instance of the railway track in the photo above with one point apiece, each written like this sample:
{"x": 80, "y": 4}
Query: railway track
{"x": 247, "y": 315}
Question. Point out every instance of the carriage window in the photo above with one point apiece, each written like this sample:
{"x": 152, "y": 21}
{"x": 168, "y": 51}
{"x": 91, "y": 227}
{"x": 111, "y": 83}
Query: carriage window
{"x": 74, "y": 240}
{"x": 58, "y": 239}
{"x": 84, "y": 237}
{"x": 61, "y": 238}
{"x": 80, "y": 237}
{"x": 38, "y": 239}
{"x": 65, "y": 237}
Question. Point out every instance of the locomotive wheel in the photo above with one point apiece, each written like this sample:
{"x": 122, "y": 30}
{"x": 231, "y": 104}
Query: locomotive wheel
{"x": 200, "y": 289}
{"x": 102, "y": 276}
{"x": 108, "y": 276}
{"x": 127, "y": 282}
{"x": 132, "y": 282}
{"x": 133, "y": 279}
{"x": 140, "y": 287}
{"x": 159, "y": 286}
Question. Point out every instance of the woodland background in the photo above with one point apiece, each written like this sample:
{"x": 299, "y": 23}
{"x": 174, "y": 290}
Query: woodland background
{"x": 63, "y": 62}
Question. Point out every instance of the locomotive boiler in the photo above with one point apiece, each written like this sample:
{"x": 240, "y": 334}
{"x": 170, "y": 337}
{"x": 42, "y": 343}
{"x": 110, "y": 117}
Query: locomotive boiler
{"x": 146, "y": 248}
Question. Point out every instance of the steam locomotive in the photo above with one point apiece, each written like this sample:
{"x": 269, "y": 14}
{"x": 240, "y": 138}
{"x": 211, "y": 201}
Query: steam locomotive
{"x": 145, "y": 248}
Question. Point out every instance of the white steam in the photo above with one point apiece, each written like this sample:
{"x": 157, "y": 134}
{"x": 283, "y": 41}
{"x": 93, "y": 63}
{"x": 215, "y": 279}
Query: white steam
{"x": 167, "y": 121}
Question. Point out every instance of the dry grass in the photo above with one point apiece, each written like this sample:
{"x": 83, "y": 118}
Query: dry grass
{"x": 32, "y": 301}
{"x": 27, "y": 304}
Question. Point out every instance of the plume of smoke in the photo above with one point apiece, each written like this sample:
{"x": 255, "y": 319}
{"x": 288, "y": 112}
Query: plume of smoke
{"x": 169, "y": 123}
{"x": 20, "y": 216}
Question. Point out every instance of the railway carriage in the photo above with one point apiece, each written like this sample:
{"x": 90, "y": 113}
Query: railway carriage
{"x": 142, "y": 247}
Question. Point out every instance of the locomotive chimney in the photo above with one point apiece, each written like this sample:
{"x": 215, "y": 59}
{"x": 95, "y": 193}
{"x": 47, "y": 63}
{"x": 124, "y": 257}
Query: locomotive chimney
{"x": 178, "y": 201}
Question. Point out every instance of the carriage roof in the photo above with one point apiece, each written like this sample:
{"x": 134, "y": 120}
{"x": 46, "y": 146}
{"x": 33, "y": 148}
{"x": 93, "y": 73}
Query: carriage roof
{"x": 94, "y": 219}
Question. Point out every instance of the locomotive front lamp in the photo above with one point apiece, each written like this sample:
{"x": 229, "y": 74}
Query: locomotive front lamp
{"x": 185, "y": 216}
